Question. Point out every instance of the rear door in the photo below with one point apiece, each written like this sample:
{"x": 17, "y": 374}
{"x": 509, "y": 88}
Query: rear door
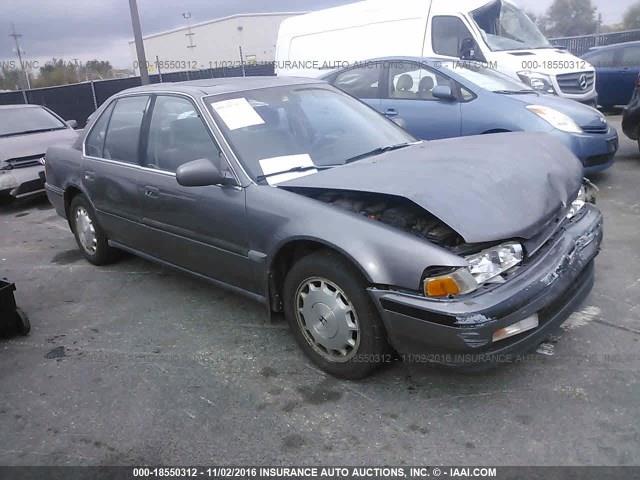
{"x": 408, "y": 94}
{"x": 111, "y": 168}
{"x": 362, "y": 82}
{"x": 201, "y": 229}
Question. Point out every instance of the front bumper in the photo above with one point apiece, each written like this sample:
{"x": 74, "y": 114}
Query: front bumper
{"x": 596, "y": 151}
{"x": 22, "y": 182}
{"x": 459, "y": 332}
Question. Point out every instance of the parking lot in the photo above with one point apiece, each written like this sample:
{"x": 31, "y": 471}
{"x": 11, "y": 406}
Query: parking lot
{"x": 135, "y": 363}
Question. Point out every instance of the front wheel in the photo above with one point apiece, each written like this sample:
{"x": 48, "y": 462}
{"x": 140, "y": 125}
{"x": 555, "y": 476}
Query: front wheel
{"x": 332, "y": 318}
{"x": 89, "y": 235}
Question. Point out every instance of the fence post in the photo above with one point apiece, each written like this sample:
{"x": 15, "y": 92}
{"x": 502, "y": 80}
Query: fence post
{"x": 93, "y": 94}
{"x": 24, "y": 95}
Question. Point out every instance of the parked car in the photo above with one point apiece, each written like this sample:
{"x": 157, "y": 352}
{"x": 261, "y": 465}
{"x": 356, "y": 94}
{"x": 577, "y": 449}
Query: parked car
{"x": 617, "y": 67}
{"x": 495, "y": 32}
{"x": 631, "y": 115}
{"x": 297, "y": 195}
{"x": 25, "y": 133}
{"x": 438, "y": 99}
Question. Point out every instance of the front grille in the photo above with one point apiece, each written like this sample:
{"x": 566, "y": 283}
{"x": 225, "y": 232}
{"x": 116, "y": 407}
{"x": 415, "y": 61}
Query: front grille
{"x": 22, "y": 162}
{"x": 579, "y": 82}
{"x": 596, "y": 129}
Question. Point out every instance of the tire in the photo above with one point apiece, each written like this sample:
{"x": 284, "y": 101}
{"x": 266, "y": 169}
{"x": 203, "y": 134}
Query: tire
{"x": 98, "y": 251}
{"x": 329, "y": 278}
{"x": 23, "y": 326}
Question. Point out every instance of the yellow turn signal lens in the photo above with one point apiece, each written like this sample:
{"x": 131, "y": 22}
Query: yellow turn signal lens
{"x": 441, "y": 287}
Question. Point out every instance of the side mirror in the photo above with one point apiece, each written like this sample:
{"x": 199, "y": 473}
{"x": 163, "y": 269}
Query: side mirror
{"x": 401, "y": 122}
{"x": 443, "y": 92}
{"x": 201, "y": 173}
{"x": 72, "y": 123}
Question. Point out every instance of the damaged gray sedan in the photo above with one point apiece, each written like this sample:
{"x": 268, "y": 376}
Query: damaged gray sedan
{"x": 462, "y": 252}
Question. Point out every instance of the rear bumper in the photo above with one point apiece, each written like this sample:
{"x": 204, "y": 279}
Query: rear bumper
{"x": 596, "y": 151}
{"x": 22, "y": 182}
{"x": 460, "y": 332}
{"x": 56, "y": 198}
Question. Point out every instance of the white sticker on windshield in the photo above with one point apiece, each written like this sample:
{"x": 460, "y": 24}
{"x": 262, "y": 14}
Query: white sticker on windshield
{"x": 271, "y": 166}
{"x": 237, "y": 113}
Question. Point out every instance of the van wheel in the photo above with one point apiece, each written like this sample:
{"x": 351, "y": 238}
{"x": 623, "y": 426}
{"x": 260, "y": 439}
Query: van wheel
{"x": 332, "y": 318}
{"x": 89, "y": 235}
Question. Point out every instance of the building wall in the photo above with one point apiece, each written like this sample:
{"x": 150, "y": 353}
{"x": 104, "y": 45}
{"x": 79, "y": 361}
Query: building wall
{"x": 216, "y": 43}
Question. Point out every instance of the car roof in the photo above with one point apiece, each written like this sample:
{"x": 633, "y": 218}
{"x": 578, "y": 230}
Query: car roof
{"x": 613, "y": 46}
{"x": 219, "y": 86}
{"x": 19, "y": 105}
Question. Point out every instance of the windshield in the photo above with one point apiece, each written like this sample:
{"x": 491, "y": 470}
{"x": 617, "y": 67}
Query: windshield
{"x": 505, "y": 27}
{"x": 487, "y": 78}
{"x": 16, "y": 121}
{"x": 304, "y": 128}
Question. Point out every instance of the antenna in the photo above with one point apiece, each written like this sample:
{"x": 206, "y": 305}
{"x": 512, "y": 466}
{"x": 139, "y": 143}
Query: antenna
{"x": 16, "y": 39}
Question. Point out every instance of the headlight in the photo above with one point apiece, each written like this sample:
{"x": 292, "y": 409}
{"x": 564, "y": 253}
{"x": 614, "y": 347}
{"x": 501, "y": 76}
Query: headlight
{"x": 537, "y": 81}
{"x": 483, "y": 267}
{"x": 491, "y": 263}
{"x": 555, "y": 118}
{"x": 586, "y": 194}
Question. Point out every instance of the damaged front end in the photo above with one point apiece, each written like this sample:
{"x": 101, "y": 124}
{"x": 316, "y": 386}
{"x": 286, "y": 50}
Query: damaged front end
{"x": 396, "y": 212}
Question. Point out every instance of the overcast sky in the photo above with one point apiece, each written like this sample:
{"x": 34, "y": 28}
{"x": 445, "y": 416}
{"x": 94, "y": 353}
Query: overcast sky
{"x": 87, "y": 29}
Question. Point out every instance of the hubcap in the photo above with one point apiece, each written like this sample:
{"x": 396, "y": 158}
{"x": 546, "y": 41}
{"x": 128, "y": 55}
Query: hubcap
{"x": 327, "y": 319}
{"x": 86, "y": 231}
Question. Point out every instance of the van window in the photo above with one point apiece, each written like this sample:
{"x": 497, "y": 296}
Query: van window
{"x": 177, "y": 135}
{"x": 361, "y": 82}
{"x": 408, "y": 80}
{"x": 447, "y": 34}
{"x": 631, "y": 56}
{"x": 123, "y": 136}
{"x": 95, "y": 140}
{"x": 601, "y": 58}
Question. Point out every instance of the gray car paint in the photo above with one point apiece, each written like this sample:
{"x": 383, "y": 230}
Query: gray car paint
{"x": 275, "y": 217}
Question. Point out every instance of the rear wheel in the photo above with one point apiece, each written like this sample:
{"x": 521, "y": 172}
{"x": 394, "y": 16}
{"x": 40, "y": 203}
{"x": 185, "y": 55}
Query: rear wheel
{"x": 89, "y": 235}
{"x": 332, "y": 318}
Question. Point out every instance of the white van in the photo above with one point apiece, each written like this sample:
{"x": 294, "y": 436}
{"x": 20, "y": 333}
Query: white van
{"x": 495, "y": 32}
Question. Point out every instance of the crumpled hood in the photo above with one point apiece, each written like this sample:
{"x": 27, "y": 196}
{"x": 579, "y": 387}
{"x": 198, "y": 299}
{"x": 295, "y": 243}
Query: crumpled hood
{"x": 487, "y": 188}
{"x": 33, "y": 143}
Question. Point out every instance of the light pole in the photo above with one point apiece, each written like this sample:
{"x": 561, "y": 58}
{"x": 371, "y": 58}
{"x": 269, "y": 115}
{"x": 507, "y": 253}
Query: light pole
{"x": 137, "y": 36}
{"x": 16, "y": 36}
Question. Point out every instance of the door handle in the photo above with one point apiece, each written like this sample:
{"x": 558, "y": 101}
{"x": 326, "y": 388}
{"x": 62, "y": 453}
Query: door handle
{"x": 151, "y": 192}
{"x": 89, "y": 176}
{"x": 391, "y": 112}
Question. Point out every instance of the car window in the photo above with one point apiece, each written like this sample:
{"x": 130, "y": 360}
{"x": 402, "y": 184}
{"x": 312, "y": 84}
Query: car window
{"x": 408, "y": 80}
{"x": 447, "y": 34}
{"x": 123, "y": 134}
{"x": 361, "y": 82}
{"x": 177, "y": 135}
{"x": 95, "y": 141}
{"x": 603, "y": 58}
{"x": 631, "y": 56}
{"x": 24, "y": 120}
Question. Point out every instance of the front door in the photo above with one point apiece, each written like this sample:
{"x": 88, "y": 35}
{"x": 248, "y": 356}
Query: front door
{"x": 409, "y": 87}
{"x": 202, "y": 229}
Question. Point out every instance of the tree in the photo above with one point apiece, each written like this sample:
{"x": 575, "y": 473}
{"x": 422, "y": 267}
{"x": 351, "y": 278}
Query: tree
{"x": 98, "y": 69}
{"x": 631, "y": 19}
{"x": 569, "y": 18}
{"x": 10, "y": 78}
